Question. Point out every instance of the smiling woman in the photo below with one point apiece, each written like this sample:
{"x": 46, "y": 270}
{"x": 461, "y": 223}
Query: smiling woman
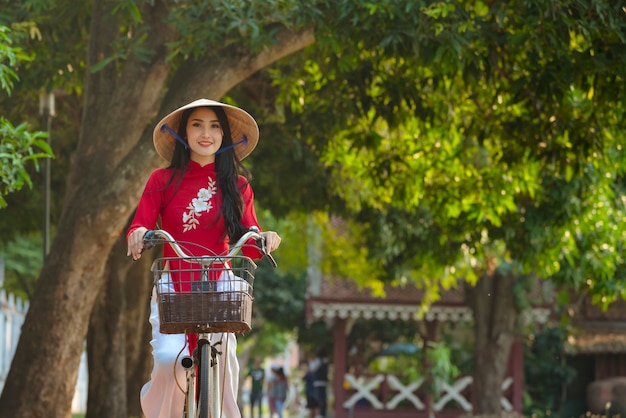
{"x": 203, "y": 198}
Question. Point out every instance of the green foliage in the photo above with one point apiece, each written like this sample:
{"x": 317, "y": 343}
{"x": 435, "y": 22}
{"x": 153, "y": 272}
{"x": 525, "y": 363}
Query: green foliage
{"x": 132, "y": 35}
{"x": 292, "y": 254}
{"x": 17, "y": 148}
{"x": 22, "y": 261}
{"x": 473, "y": 131}
{"x": 441, "y": 369}
{"x": 459, "y": 337}
{"x": 367, "y": 337}
{"x": 54, "y": 36}
{"x": 217, "y": 24}
{"x": 545, "y": 371}
{"x": 270, "y": 339}
{"x": 345, "y": 255}
{"x": 10, "y": 57}
{"x": 313, "y": 337}
{"x": 280, "y": 298}
{"x": 279, "y": 294}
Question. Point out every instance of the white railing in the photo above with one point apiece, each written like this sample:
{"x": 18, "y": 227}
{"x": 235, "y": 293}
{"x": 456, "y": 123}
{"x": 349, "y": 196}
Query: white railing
{"x": 368, "y": 389}
{"x": 12, "y": 313}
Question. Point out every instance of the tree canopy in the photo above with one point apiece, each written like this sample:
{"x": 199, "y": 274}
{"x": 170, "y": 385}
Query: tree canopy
{"x": 19, "y": 146}
{"x": 475, "y": 129}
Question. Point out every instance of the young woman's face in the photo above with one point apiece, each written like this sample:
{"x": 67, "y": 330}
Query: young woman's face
{"x": 204, "y": 135}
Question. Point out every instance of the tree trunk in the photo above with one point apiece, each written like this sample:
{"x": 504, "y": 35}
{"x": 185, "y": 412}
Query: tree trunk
{"x": 119, "y": 361}
{"x": 495, "y": 319}
{"x": 112, "y": 161}
{"x": 138, "y": 354}
{"x": 42, "y": 376}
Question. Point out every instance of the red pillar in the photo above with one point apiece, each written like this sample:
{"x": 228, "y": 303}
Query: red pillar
{"x": 517, "y": 372}
{"x": 339, "y": 368}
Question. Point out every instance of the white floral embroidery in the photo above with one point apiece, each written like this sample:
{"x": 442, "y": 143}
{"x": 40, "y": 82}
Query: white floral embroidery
{"x": 205, "y": 194}
{"x": 199, "y": 204}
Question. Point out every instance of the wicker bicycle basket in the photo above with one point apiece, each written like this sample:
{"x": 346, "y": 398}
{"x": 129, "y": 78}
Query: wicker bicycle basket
{"x": 214, "y": 295}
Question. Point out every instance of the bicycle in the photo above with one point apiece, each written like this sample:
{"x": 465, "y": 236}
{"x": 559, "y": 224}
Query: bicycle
{"x": 202, "y": 295}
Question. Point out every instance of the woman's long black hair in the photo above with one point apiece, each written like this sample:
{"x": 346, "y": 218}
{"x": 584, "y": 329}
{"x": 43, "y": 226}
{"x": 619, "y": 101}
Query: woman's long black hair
{"x": 227, "y": 167}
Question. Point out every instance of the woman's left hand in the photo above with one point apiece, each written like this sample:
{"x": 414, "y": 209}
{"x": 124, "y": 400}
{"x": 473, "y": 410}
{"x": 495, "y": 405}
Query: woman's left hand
{"x": 272, "y": 240}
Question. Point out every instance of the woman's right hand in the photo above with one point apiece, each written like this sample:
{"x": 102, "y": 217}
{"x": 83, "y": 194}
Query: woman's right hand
{"x": 135, "y": 242}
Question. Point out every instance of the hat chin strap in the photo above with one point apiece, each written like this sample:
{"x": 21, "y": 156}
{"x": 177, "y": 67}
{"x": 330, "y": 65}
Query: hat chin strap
{"x": 243, "y": 141}
{"x": 177, "y": 137}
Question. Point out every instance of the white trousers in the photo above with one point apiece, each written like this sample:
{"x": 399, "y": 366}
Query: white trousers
{"x": 162, "y": 397}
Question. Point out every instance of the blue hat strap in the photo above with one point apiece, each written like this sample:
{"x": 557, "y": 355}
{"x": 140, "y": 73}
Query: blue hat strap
{"x": 243, "y": 141}
{"x": 164, "y": 127}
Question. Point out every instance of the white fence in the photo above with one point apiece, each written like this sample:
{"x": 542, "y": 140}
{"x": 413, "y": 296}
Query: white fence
{"x": 12, "y": 314}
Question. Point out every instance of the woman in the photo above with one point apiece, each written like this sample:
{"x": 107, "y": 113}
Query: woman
{"x": 203, "y": 196}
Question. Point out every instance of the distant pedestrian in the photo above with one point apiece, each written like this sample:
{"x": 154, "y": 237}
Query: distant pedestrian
{"x": 271, "y": 396}
{"x": 309, "y": 390}
{"x": 257, "y": 374}
{"x": 321, "y": 381}
{"x": 279, "y": 387}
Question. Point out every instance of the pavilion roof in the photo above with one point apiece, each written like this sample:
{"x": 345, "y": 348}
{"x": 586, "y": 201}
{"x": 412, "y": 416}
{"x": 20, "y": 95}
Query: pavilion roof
{"x": 344, "y": 298}
{"x": 598, "y": 339}
{"x": 347, "y": 290}
{"x": 598, "y": 331}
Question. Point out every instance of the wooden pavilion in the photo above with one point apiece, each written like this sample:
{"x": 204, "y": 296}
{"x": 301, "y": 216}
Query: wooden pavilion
{"x": 340, "y": 302}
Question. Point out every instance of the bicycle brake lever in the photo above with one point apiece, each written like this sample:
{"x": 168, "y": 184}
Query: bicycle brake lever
{"x": 261, "y": 244}
{"x": 150, "y": 239}
{"x": 271, "y": 260}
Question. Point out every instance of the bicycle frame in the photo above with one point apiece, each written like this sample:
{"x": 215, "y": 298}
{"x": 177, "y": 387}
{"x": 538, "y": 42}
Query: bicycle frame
{"x": 203, "y": 405}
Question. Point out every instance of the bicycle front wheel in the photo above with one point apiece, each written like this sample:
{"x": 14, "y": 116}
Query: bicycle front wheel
{"x": 205, "y": 367}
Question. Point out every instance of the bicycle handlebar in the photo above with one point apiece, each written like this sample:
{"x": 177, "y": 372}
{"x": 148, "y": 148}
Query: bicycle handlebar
{"x": 153, "y": 237}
